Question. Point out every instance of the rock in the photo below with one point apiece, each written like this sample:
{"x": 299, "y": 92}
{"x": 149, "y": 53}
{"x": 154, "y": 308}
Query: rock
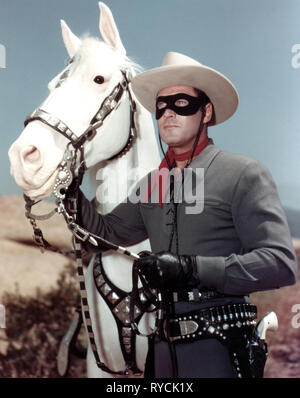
{"x": 16, "y": 227}
{"x": 294, "y": 357}
{"x": 23, "y": 268}
{"x": 4, "y": 343}
{"x": 281, "y": 351}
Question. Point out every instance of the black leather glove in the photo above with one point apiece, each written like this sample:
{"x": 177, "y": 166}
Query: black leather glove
{"x": 165, "y": 270}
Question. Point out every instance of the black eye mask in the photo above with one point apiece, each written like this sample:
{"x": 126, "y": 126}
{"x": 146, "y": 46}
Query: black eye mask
{"x": 169, "y": 102}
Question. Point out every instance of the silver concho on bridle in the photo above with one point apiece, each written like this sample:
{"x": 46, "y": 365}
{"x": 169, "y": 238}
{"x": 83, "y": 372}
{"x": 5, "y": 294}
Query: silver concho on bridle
{"x": 64, "y": 175}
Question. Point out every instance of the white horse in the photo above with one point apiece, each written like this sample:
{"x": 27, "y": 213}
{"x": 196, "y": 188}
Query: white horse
{"x": 75, "y": 96}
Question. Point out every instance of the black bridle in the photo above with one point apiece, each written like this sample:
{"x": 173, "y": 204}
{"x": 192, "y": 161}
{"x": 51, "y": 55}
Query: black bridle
{"x": 74, "y": 152}
{"x": 107, "y": 106}
{"x": 74, "y": 155}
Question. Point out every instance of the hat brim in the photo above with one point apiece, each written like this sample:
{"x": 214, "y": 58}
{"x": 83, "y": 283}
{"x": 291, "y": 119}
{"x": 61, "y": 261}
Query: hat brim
{"x": 217, "y": 87}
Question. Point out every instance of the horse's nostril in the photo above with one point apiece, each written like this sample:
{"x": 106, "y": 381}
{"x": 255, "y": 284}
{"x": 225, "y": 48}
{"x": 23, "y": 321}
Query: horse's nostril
{"x": 31, "y": 154}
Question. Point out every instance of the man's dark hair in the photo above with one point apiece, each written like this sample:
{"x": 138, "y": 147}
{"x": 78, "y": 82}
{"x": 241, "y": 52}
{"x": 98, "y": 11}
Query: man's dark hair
{"x": 206, "y": 100}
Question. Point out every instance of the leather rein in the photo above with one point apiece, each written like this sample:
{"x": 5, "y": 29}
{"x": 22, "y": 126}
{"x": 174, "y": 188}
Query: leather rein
{"x": 74, "y": 154}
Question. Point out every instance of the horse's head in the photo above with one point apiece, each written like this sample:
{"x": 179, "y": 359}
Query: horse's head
{"x": 75, "y": 96}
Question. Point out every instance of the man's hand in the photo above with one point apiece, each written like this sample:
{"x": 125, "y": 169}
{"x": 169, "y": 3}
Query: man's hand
{"x": 168, "y": 271}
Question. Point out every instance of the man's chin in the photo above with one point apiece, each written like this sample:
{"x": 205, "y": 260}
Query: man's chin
{"x": 176, "y": 146}
{"x": 172, "y": 142}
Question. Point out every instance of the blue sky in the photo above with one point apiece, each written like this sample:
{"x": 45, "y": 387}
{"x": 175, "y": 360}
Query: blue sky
{"x": 250, "y": 41}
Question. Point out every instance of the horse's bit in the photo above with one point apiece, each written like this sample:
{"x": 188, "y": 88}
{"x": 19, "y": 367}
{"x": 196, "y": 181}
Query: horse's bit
{"x": 66, "y": 173}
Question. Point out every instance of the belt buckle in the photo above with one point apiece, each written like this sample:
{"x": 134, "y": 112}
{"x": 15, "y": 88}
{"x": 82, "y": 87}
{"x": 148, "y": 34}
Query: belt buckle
{"x": 187, "y": 328}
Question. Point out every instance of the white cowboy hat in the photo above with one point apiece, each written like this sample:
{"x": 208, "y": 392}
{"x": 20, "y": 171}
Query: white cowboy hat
{"x": 178, "y": 69}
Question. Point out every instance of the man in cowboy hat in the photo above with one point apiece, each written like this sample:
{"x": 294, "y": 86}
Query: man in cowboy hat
{"x": 204, "y": 263}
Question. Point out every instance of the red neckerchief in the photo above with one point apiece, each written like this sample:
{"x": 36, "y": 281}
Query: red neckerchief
{"x": 162, "y": 178}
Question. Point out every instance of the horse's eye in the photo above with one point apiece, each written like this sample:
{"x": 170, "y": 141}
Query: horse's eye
{"x": 99, "y": 79}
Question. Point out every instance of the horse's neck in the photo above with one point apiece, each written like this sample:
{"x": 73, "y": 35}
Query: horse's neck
{"x": 120, "y": 175}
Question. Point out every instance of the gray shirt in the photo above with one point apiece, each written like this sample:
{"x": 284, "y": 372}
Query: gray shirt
{"x": 241, "y": 237}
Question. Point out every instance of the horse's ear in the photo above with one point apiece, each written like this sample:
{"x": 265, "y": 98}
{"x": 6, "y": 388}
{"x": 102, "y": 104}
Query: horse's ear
{"x": 109, "y": 30}
{"x": 72, "y": 42}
